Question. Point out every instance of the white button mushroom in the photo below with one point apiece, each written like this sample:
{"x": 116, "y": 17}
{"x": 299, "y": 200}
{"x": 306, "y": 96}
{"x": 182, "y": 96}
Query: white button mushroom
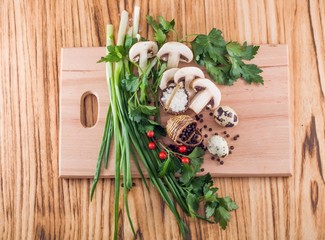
{"x": 208, "y": 94}
{"x": 186, "y": 75}
{"x": 225, "y": 116}
{"x": 142, "y": 51}
{"x": 167, "y": 78}
{"x": 174, "y": 52}
{"x": 218, "y": 146}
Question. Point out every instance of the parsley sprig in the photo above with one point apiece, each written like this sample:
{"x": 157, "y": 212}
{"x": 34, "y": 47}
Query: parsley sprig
{"x": 198, "y": 190}
{"x": 224, "y": 61}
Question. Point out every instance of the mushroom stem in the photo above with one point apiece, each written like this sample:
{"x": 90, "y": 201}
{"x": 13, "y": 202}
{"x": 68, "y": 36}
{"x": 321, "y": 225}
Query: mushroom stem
{"x": 171, "y": 97}
{"x": 200, "y": 100}
{"x": 173, "y": 60}
{"x": 143, "y": 61}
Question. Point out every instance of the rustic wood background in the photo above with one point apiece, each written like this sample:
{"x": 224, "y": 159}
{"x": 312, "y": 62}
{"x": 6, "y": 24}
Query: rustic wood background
{"x": 36, "y": 204}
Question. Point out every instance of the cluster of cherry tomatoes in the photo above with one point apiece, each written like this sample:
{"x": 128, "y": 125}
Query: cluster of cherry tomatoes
{"x": 163, "y": 155}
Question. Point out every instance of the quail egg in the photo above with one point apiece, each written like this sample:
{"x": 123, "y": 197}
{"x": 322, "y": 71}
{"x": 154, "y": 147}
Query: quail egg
{"x": 218, "y": 146}
{"x": 225, "y": 116}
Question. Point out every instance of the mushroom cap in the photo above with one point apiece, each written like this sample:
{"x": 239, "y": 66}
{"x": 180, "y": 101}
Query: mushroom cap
{"x": 211, "y": 90}
{"x": 149, "y": 47}
{"x": 167, "y": 77}
{"x": 185, "y": 53}
{"x": 188, "y": 74}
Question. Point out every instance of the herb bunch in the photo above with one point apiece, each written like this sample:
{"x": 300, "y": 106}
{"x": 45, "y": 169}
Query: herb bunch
{"x": 134, "y": 111}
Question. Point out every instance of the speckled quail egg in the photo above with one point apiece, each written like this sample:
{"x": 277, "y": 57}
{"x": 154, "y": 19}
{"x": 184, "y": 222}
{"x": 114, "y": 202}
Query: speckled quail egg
{"x": 226, "y": 116}
{"x": 218, "y": 146}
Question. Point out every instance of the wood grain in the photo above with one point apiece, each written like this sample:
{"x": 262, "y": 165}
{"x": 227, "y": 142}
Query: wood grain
{"x": 263, "y": 148}
{"x": 35, "y": 203}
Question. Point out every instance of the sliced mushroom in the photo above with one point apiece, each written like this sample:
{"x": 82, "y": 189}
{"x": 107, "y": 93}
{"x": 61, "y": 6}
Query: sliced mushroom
{"x": 208, "y": 94}
{"x": 167, "y": 78}
{"x": 142, "y": 51}
{"x": 186, "y": 75}
{"x": 174, "y": 52}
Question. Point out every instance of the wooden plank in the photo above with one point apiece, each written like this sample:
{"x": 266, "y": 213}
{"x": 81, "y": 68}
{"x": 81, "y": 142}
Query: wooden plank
{"x": 36, "y": 204}
{"x": 263, "y": 113}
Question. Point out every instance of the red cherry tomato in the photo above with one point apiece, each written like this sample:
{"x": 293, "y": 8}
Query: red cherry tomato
{"x": 182, "y": 149}
{"x": 185, "y": 160}
{"x": 151, "y": 145}
{"x": 150, "y": 134}
{"x": 162, "y": 155}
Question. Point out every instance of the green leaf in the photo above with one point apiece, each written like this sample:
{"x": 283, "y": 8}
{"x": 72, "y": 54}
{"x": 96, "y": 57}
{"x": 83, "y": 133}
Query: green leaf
{"x": 198, "y": 183}
{"x": 219, "y": 74}
{"x": 136, "y": 115}
{"x": 187, "y": 174}
{"x": 227, "y": 203}
{"x": 210, "y": 209}
{"x": 251, "y": 73}
{"x": 192, "y": 202}
{"x": 196, "y": 164}
{"x": 166, "y": 25}
{"x": 154, "y": 24}
{"x": 130, "y": 83}
{"x": 148, "y": 110}
{"x": 235, "y": 71}
{"x": 129, "y": 42}
{"x": 196, "y": 153}
{"x": 222, "y": 216}
{"x": 224, "y": 61}
{"x": 165, "y": 167}
{"x": 160, "y": 36}
{"x": 115, "y": 54}
{"x": 234, "y": 49}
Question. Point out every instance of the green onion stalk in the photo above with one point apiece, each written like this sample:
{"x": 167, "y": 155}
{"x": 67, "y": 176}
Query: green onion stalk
{"x": 128, "y": 140}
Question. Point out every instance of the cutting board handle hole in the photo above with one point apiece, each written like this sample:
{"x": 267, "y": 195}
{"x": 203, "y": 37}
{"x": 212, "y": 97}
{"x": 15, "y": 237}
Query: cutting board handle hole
{"x": 88, "y": 109}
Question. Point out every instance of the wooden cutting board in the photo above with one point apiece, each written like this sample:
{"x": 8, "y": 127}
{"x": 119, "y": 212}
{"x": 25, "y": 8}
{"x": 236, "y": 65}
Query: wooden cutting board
{"x": 263, "y": 148}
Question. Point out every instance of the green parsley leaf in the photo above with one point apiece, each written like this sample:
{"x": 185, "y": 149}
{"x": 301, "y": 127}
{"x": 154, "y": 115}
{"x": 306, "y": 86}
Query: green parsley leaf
{"x": 234, "y": 49}
{"x": 192, "y": 202}
{"x": 165, "y": 167}
{"x": 136, "y": 115}
{"x": 198, "y": 183}
{"x": 148, "y": 110}
{"x": 116, "y": 54}
{"x": 129, "y": 42}
{"x": 165, "y": 25}
{"x": 210, "y": 209}
{"x": 153, "y": 23}
{"x": 196, "y": 153}
{"x": 161, "y": 28}
{"x": 224, "y": 61}
{"x": 251, "y": 73}
{"x": 227, "y": 203}
{"x": 160, "y": 36}
{"x": 222, "y": 216}
{"x": 130, "y": 83}
{"x": 187, "y": 174}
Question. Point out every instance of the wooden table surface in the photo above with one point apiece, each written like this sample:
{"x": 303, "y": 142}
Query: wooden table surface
{"x": 36, "y": 204}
